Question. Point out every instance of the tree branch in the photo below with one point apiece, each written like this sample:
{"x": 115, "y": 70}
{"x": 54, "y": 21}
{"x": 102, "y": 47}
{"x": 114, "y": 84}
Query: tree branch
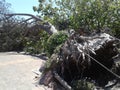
{"x": 23, "y": 14}
{"x": 48, "y": 27}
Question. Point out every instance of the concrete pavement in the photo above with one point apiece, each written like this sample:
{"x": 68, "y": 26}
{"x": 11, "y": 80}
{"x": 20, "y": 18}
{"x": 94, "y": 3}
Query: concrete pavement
{"x": 16, "y": 71}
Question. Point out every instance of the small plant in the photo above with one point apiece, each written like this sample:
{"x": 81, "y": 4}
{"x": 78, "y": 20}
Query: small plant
{"x": 54, "y": 41}
{"x": 83, "y": 85}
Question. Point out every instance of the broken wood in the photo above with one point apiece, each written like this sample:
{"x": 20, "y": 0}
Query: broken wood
{"x": 62, "y": 82}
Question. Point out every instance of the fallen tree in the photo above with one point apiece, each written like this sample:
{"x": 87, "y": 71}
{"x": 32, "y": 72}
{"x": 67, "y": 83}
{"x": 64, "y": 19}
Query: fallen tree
{"x": 83, "y": 61}
{"x": 39, "y": 23}
{"x": 93, "y": 59}
{"x": 32, "y": 32}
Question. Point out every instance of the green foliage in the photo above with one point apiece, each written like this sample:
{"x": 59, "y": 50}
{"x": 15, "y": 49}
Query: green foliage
{"x": 83, "y": 85}
{"x": 57, "y": 49}
{"x": 88, "y": 14}
{"x": 16, "y": 36}
{"x": 10, "y": 38}
{"x": 97, "y": 15}
{"x": 51, "y": 62}
{"x": 30, "y": 47}
{"x": 54, "y": 41}
{"x": 36, "y": 46}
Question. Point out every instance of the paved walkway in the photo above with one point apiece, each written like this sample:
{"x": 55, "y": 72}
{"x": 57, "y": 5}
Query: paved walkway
{"x": 16, "y": 71}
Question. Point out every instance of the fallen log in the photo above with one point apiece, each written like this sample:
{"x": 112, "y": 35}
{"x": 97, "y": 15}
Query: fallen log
{"x": 47, "y": 26}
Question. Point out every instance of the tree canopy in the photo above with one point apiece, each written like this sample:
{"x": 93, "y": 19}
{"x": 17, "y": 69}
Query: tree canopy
{"x": 88, "y": 14}
{"x": 4, "y": 6}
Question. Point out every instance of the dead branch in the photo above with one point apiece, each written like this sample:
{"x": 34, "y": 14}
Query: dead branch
{"x": 23, "y": 14}
{"x": 62, "y": 82}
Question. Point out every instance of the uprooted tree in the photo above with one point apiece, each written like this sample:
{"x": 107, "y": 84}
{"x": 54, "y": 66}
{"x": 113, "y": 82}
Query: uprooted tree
{"x": 83, "y": 58}
{"x": 82, "y": 61}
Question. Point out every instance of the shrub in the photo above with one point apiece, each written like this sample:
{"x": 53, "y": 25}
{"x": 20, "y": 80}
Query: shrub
{"x": 10, "y": 39}
{"x": 54, "y": 41}
{"x": 37, "y": 44}
{"x": 83, "y": 85}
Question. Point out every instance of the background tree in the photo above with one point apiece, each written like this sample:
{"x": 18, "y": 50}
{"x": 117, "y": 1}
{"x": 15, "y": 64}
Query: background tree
{"x": 4, "y": 8}
{"x": 87, "y": 14}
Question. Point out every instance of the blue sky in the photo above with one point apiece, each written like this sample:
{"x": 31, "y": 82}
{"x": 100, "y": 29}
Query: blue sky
{"x": 23, "y": 6}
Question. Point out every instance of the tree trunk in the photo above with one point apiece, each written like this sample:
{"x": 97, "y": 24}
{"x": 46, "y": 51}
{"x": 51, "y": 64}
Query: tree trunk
{"x": 48, "y": 27}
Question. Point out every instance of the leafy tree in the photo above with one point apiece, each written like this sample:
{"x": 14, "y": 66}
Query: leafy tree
{"x": 88, "y": 14}
{"x": 11, "y": 35}
{"x": 54, "y": 41}
{"x": 49, "y": 11}
{"x": 4, "y": 7}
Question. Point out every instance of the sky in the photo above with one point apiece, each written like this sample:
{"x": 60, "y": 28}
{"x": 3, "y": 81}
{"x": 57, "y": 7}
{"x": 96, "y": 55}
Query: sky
{"x": 23, "y": 6}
